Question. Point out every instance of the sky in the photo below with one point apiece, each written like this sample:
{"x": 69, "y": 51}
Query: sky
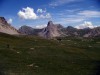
{"x": 37, "y": 13}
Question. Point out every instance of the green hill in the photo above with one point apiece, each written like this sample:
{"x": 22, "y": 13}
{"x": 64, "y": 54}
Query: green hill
{"x": 31, "y": 55}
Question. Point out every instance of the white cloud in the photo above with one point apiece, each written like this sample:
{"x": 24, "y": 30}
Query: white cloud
{"x": 89, "y": 13}
{"x": 77, "y": 16}
{"x": 48, "y": 15}
{"x": 43, "y": 14}
{"x": 61, "y": 2}
{"x": 41, "y": 11}
{"x": 40, "y": 26}
{"x": 85, "y": 25}
{"x": 27, "y": 13}
{"x": 10, "y": 21}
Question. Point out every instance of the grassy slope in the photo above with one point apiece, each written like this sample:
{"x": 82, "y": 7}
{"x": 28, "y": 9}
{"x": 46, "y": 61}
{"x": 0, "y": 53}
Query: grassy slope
{"x": 37, "y": 56}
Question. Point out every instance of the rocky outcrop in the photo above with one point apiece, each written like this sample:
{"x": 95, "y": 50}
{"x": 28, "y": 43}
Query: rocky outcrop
{"x": 7, "y": 28}
{"x": 52, "y": 30}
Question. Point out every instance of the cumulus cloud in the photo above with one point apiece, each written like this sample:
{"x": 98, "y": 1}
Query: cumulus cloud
{"x": 86, "y": 24}
{"x": 10, "y": 21}
{"x": 40, "y": 26}
{"x": 41, "y": 11}
{"x": 27, "y": 13}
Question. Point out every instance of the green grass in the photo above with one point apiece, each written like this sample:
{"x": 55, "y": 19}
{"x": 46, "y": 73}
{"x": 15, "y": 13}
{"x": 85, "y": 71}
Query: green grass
{"x": 37, "y": 56}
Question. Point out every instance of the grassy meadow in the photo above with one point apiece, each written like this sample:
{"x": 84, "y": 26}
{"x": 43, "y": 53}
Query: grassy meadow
{"x": 31, "y": 55}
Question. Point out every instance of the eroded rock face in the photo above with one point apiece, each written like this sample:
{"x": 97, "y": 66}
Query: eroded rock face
{"x": 50, "y": 31}
{"x": 7, "y": 28}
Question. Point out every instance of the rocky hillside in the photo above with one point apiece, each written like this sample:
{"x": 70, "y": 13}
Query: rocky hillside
{"x": 7, "y": 28}
{"x": 26, "y": 30}
{"x": 93, "y": 33}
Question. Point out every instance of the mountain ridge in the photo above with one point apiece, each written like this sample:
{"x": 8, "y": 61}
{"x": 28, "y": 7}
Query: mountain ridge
{"x": 51, "y": 31}
{"x": 57, "y": 30}
{"x": 7, "y": 28}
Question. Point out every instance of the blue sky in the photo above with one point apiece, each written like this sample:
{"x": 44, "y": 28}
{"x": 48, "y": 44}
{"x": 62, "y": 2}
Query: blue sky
{"x": 36, "y": 13}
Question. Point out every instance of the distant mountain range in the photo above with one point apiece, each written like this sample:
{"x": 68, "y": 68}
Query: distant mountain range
{"x": 49, "y": 32}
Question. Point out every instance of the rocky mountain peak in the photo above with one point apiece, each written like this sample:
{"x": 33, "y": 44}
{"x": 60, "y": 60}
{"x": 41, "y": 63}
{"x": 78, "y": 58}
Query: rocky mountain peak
{"x": 26, "y": 30}
{"x": 50, "y": 26}
{"x": 50, "y": 31}
{"x": 70, "y": 27}
{"x": 50, "y": 23}
{"x": 3, "y": 20}
{"x": 6, "y": 28}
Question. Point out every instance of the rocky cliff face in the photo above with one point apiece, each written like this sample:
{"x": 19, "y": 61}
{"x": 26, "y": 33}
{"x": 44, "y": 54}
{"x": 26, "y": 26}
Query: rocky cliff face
{"x": 51, "y": 31}
{"x": 7, "y": 28}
